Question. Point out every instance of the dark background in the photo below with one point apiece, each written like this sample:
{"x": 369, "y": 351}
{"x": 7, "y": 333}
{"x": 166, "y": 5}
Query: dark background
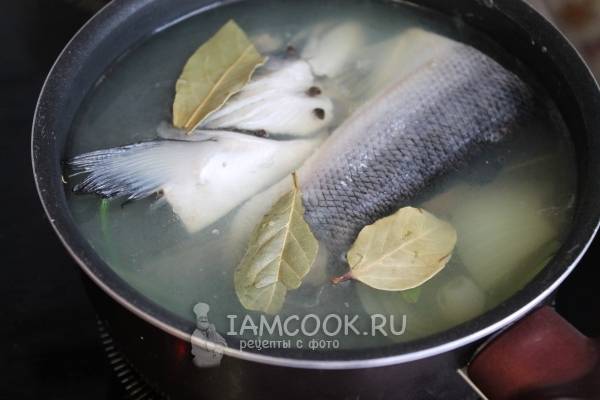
{"x": 49, "y": 346}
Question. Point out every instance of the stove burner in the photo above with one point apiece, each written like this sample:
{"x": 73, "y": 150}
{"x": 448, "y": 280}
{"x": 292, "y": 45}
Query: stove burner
{"x": 131, "y": 382}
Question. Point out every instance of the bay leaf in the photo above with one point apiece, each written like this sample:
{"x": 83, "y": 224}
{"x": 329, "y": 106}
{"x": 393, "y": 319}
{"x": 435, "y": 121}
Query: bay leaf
{"x": 401, "y": 251}
{"x": 216, "y": 71}
{"x": 281, "y": 251}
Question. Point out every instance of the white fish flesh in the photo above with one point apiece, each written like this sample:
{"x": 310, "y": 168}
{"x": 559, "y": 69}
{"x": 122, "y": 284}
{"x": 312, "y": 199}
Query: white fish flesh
{"x": 202, "y": 177}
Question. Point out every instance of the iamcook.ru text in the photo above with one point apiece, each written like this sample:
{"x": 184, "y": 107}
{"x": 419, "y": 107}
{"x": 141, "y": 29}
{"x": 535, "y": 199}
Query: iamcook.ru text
{"x": 311, "y": 325}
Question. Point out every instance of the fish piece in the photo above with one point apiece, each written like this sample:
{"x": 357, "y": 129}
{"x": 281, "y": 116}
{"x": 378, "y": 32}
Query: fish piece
{"x": 434, "y": 121}
{"x": 378, "y": 65}
{"x": 202, "y": 178}
{"x": 394, "y": 59}
{"x": 329, "y": 52}
{"x": 267, "y": 43}
{"x": 278, "y": 101}
{"x": 503, "y": 219}
{"x": 460, "y": 299}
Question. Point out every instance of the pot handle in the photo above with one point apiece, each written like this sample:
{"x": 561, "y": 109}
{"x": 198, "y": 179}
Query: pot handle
{"x": 542, "y": 356}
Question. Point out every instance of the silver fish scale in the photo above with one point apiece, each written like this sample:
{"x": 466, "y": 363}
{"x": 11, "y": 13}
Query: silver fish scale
{"x": 427, "y": 125}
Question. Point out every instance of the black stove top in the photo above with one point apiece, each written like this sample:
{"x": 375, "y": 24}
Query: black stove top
{"x": 50, "y": 344}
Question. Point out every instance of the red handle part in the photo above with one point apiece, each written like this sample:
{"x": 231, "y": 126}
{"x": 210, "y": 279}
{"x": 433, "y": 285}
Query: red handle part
{"x": 542, "y": 350}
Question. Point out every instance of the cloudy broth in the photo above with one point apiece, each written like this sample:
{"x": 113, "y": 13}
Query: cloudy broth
{"x": 511, "y": 208}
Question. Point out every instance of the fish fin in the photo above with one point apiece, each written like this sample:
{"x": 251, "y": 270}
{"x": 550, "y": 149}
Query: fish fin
{"x": 134, "y": 171}
{"x": 278, "y": 102}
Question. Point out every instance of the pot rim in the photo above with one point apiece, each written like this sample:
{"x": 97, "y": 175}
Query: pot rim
{"x": 492, "y": 321}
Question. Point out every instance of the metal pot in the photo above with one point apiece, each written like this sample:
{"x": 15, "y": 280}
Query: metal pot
{"x": 158, "y": 343}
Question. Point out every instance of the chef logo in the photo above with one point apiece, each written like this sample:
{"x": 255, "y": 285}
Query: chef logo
{"x": 206, "y": 341}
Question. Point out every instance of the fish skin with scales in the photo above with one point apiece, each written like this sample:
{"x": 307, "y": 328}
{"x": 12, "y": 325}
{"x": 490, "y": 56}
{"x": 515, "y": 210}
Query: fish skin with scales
{"x": 429, "y": 123}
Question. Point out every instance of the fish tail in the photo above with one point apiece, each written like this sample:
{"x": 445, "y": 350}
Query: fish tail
{"x": 134, "y": 171}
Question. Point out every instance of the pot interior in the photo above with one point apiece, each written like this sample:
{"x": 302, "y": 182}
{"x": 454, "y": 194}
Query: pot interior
{"x": 532, "y": 189}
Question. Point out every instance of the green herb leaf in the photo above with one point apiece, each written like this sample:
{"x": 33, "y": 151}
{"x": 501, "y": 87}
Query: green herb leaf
{"x": 216, "y": 71}
{"x": 103, "y": 213}
{"x": 401, "y": 251}
{"x": 282, "y": 250}
{"x": 411, "y": 295}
